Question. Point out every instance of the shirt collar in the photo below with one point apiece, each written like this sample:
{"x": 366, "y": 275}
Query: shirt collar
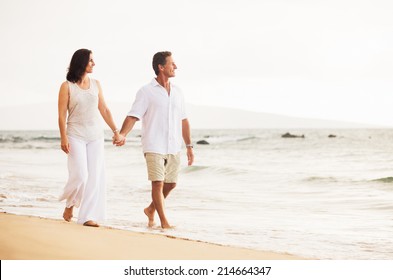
{"x": 154, "y": 82}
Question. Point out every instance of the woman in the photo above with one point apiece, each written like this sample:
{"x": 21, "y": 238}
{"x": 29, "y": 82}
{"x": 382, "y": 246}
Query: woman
{"x": 82, "y": 139}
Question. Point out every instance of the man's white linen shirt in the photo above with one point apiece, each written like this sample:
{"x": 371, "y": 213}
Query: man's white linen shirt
{"x": 161, "y": 115}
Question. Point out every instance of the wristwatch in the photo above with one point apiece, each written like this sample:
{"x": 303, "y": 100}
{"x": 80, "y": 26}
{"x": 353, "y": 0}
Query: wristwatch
{"x": 190, "y": 146}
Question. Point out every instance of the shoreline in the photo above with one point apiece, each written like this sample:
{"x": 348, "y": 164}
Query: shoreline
{"x": 36, "y": 238}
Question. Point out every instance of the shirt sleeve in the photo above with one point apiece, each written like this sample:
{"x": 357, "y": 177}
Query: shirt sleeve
{"x": 140, "y": 105}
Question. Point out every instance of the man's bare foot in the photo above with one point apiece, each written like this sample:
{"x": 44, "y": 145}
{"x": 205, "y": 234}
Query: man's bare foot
{"x": 67, "y": 214}
{"x": 150, "y": 216}
{"x": 91, "y": 224}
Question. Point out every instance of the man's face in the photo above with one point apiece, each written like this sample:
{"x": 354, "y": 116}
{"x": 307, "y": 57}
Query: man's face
{"x": 169, "y": 67}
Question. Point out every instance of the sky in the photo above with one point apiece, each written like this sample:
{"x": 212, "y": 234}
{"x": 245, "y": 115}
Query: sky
{"x": 303, "y": 58}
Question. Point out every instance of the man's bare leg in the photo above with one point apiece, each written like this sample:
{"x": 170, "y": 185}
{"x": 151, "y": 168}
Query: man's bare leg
{"x": 67, "y": 214}
{"x": 158, "y": 201}
{"x": 151, "y": 210}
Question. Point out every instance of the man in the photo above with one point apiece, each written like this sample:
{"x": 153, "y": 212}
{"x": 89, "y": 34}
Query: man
{"x": 160, "y": 106}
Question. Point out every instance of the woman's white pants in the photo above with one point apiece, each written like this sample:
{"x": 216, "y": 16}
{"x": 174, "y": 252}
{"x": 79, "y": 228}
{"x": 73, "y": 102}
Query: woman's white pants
{"x": 85, "y": 187}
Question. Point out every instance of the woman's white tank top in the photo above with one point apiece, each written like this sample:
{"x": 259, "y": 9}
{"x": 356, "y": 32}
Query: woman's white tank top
{"x": 84, "y": 119}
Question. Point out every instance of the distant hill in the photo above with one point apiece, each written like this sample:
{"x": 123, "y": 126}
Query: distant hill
{"x": 44, "y": 117}
{"x": 216, "y": 117}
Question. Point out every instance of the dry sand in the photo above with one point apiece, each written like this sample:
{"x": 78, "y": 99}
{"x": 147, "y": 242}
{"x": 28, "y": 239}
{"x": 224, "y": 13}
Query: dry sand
{"x": 35, "y": 238}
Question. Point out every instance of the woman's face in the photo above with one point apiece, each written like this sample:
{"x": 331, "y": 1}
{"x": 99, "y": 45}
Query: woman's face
{"x": 90, "y": 65}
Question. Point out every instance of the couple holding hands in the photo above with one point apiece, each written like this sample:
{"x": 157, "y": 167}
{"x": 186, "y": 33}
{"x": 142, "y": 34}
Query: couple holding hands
{"x": 161, "y": 108}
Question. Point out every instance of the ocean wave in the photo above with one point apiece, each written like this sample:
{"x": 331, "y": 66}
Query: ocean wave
{"x": 29, "y": 147}
{"x": 15, "y": 139}
{"x": 227, "y": 138}
{"x": 329, "y": 179}
{"x": 46, "y": 139}
{"x": 29, "y": 140}
{"x": 384, "y": 180}
{"x": 12, "y": 139}
{"x": 214, "y": 169}
{"x": 228, "y": 170}
{"x": 194, "y": 168}
{"x": 321, "y": 179}
{"x": 251, "y": 138}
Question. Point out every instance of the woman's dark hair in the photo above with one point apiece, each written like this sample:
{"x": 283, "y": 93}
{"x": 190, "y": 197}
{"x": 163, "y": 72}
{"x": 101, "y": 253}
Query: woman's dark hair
{"x": 160, "y": 59}
{"x": 78, "y": 64}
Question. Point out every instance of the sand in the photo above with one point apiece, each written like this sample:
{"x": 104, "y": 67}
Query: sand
{"x": 35, "y": 238}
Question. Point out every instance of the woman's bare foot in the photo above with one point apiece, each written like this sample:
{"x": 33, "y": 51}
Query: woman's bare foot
{"x": 167, "y": 226}
{"x": 150, "y": 216}
{"x": 67, "y": 214}
{"x": 91, "y": 224}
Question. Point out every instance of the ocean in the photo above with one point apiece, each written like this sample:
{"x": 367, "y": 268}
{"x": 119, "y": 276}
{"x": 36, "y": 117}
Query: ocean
{"x": 318, "y": 197}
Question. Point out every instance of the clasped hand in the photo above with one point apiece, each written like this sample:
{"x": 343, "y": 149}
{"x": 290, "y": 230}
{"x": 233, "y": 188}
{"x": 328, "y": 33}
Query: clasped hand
{"x": 118, "y": 140}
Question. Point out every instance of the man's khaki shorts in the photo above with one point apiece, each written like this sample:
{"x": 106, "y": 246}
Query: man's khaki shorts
{"x": 164, "y": 168}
